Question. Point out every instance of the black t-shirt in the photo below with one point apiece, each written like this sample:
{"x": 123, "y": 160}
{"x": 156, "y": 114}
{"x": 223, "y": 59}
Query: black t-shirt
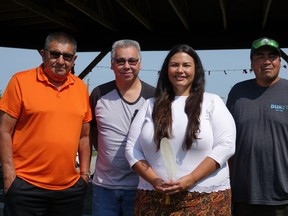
{"x": 260, "y": 164}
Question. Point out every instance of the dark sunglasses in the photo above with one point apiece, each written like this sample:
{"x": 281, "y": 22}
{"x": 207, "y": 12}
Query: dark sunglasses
{"x": 122, "y": 61}
{"x": 56, "y": 55}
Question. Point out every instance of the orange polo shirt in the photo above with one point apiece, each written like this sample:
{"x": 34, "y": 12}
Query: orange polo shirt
{"x": 48, "y": 128}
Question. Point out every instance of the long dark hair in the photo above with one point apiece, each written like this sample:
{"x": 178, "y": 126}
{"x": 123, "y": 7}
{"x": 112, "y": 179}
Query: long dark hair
{"x": 164, "y": 96}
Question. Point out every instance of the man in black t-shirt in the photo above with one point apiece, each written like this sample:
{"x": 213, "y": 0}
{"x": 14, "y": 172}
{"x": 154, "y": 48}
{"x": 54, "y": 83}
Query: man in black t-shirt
{"x": 259, "y": 168}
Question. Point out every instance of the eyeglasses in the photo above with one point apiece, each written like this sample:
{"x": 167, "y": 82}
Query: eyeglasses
{"x": 56, "y": 55}
{"x": 122, "y": 61}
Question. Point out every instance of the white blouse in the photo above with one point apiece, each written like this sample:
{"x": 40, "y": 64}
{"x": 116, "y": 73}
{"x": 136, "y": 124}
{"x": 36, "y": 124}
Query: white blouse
{"x": 216, "y": 140}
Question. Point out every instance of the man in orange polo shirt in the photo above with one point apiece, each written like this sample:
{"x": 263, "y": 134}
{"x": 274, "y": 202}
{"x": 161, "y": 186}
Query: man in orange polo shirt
{"x": 44, "y": 122}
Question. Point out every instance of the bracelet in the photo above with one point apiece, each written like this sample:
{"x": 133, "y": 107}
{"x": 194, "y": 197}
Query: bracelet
{"x": 85, "y": 174}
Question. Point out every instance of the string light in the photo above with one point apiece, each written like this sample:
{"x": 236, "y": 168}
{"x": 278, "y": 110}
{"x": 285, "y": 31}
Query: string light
{"x": 226, "y": 71}
{"x": 244, "y": 70}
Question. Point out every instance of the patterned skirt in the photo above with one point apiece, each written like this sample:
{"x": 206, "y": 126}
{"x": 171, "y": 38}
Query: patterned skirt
{"x": 152, "y": 203}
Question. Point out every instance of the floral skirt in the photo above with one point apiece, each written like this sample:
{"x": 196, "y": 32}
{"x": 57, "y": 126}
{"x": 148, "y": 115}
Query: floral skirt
{"x": 152, "y": 203}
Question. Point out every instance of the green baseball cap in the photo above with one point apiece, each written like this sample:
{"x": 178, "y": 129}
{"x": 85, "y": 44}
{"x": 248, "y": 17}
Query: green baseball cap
{"x": 261, "y": 42}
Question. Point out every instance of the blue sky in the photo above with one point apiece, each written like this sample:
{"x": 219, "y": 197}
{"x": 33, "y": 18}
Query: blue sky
{"x": 225, "y": 66}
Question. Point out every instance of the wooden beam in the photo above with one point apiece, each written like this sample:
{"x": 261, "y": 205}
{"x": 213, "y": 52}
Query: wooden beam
{"x": 79, "y": 5}
{"x": 89, "y": 68}
{"x": 38, "y": 8}
{"x": 223, "y": 10}
{"x": 132, "y": 10}
{"x": 266, "y": 9}
{"x": 179, "y": 13}
{"x": 284, "y": 55}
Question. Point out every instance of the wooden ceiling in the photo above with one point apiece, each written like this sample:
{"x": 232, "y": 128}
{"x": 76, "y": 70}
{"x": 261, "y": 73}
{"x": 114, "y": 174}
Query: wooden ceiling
{"x": 156, "y": 24}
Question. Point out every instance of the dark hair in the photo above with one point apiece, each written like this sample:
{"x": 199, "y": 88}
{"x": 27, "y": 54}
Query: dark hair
{"x": 164, "y": 96}
{"x": 60, "y": 37}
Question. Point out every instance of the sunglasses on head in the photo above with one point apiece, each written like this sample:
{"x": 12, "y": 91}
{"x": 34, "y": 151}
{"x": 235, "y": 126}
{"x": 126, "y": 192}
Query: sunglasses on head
{"x": 122, "y": 61}
{"x": 56, "y": 55}
{"x": 265, "y": 42}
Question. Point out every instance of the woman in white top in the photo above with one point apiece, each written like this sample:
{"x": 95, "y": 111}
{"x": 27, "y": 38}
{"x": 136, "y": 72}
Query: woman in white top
{"x": 189, "y": 174}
